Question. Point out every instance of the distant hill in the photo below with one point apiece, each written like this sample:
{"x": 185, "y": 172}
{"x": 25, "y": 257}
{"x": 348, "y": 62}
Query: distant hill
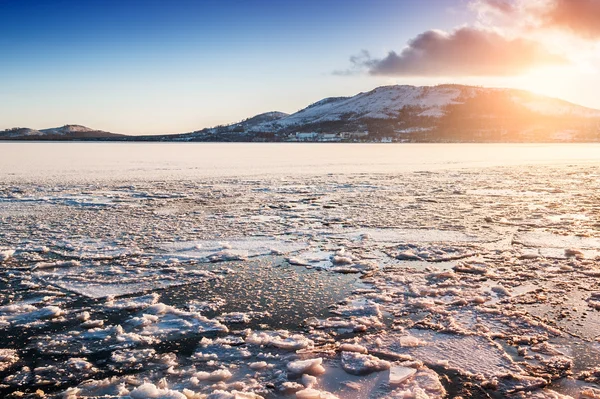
{"x": 444, "y": 113}
{"x": 66, "y": 132}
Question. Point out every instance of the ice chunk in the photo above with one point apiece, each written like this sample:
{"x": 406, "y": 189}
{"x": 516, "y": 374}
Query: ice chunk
{"x": 361, "y": 364}
{"x": 220, "y": 394}
{"x": 309, "y": 366}
{"x": 234, "y": 249}
{"x": 217, "y": 375}
{"x": 102, "y": 281}
{"x": 151, "y": 391}
{"x": 8, "y": 357}
{"x": 394, "y": 236}
{"x": 590, "y": 393}
{"x": 352, "y": 348}
{"x": 424, "y": 384}
{"x": 399, "y": 374}
{"x": 132, "y": 303}
{"x": 5, "y": 254}
{"x": 310, "y": 393}
{"x": 468, "y": 354}
{"x": 280, "y": 339}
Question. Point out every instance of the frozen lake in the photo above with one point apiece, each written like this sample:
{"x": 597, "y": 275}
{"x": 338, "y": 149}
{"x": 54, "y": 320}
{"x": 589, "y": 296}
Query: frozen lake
{"x": 240, "y": 271}
{"x": 197, "y": 160}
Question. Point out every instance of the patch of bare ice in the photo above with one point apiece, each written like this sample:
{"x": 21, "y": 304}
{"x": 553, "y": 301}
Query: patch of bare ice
{"x": 231, "y": 249}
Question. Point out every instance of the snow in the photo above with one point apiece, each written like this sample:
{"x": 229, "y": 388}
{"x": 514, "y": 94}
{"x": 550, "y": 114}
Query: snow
{"x": 64, "y": 130}
{"x": 383, "y": 102}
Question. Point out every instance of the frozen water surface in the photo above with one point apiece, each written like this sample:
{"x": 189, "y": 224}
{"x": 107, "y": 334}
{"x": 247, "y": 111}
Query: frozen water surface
{"x": 301, "y": 271}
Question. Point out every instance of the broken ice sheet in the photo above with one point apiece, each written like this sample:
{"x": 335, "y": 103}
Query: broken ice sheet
{"x": 100, "y": 281}
{"x": 395, "y": 236}
{"x": 230, "y": 249}
{"x": 551, "y": 245}
{"x": 92, "y": 250}
{"x": 152, "y": 325}
{"x": 470, "y": 355}
{"x": 432, "y": 253}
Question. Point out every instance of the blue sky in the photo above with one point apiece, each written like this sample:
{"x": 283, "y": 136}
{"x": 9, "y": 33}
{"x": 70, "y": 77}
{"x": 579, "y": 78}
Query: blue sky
{"x": 175, "y": 66}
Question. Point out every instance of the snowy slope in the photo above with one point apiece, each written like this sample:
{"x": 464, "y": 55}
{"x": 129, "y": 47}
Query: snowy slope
{"x": 255, "y": 123}
{"x": 387, "y": 101}
{"x": 65, "y": 132}
{"x": 66, "y": 129}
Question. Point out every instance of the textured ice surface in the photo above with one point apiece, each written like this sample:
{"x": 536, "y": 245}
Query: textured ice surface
{"x": 232, "y": 249}
{"x": 470, "y": 354}
{"x": 482, "y": 281}
{"x": 96, "y": 281}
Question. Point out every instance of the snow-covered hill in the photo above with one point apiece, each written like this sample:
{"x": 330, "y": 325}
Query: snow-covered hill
{"x": 389, "y": 113}
{"x": 65, "y": 132}
{"x": 254, "y": 123}
{"x": 67, "y": 129}
{"x": 432, "y": 101}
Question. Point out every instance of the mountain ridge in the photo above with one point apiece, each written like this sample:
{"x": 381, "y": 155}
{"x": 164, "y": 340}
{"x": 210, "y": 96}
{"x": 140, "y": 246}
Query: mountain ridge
{"x": 447, "y": 112}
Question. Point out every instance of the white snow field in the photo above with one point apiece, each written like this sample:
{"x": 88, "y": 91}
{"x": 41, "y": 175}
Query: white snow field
{"x": 469, "y": 277}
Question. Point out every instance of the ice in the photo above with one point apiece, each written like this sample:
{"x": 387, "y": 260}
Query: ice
{"x": 560, "y": 246}
{"x": 399, "y": 374}
{"x": 151, "y": 391}
{"x": 93, "y": 250}
{"x": 495, "y": 290}
{"x": 424, "y": 384}
{"x": 394, "y": 236}
{"x": 160, "y": 320}
{"x": 232, "y": 249}
{"x": 347, "y": 347}
{"x": 152, "y": 325}
{"x": 5, "y": 254}
{"x": 116, "y": 280}
{"x": 361, "y": 364}
{"x": 279, "y": 339}
{"x": 98, "y": 388}
{"x": 473, "y": 355}
{"x": 28, "y": 314}
{"x": 433, "y": 253}
{"x": 590, "y": 393}
{"x": 136, "y": 303}
{"x": 241, "y": 317}
{"x": 310, "y": 393}
{"x": 220, "y": 394}
{"x": 8, "y": 357}
{"x": 213, "y": 376}
{"x": 308, "y": 366}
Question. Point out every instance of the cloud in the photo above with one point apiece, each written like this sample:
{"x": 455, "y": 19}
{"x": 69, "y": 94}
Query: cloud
{"x": 357, "y": 64}
{"x": 581, "y": 17}
{"x": 464, "y": 52}
{"x": 578, "y": 17}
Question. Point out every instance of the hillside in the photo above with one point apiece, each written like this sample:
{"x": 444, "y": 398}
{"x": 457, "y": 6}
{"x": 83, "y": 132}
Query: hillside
{"x": 436, "y": 113}
{"x": 444, "y": 113}
{"x": 66, "y": 132}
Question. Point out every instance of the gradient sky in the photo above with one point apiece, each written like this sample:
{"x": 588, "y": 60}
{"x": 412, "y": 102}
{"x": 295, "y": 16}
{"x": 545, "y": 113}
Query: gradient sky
{"x": 149, "y": 67}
